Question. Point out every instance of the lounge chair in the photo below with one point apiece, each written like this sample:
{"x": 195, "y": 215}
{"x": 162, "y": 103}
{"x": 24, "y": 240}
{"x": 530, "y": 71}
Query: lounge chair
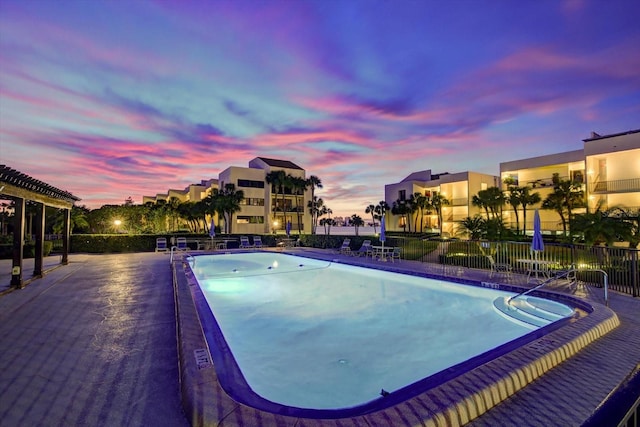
{"x": 345, "y": 249}
{"x": 257, "y": 241}
{"x": 365, "y": 250}
{"x": 181, "y": 244}
{"x": 244, "y": 242}
{"x": 161, "y": 244}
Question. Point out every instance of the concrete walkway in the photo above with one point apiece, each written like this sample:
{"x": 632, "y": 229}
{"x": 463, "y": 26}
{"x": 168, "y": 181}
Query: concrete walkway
{"x": 93, "y": 343}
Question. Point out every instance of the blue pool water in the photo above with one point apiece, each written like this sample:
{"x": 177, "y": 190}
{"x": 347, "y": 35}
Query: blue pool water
{"x": 294, "y": 332}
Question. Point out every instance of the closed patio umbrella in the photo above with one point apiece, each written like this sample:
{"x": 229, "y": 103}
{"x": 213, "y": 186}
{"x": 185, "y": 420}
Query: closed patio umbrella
{"x": 383, "y": 231}
{"x": 537, "y": 244}
{"x": 212, "y": 231}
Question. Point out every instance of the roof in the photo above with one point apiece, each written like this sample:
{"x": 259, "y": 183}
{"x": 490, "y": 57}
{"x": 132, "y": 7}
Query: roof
{"x": 424, "y": 175}
{"x": 280, "y": 163}
{"x": 18, "y": 184}
{"x": 595, "y": 136}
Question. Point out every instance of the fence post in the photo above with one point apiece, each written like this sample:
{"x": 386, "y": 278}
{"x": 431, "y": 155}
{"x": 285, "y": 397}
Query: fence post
{"x": 635, "y": 286}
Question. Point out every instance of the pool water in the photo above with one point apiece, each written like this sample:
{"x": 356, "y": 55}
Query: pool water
{"x": 312, "y": 334}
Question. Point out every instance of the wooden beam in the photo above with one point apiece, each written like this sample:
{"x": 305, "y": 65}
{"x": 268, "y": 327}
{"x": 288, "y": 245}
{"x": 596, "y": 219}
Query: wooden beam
{"x": 16, "y": 192}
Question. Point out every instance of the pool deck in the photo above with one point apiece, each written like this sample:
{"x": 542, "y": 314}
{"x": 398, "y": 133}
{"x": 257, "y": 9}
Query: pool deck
{"x": 94, "y": 343}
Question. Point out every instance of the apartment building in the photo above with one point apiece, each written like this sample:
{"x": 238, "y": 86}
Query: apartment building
{"x": 613, "y": 170}
{"x": 457, "y": 188}
{"x": 264, "y": 208}
{"x": 192, "y": 193}
{"x": 608, "y": 167}
{"x": 537, "y": 173}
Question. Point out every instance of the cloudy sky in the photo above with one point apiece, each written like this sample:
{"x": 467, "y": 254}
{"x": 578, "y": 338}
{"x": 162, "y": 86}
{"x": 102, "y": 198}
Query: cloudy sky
{"x": 111, "y": 99}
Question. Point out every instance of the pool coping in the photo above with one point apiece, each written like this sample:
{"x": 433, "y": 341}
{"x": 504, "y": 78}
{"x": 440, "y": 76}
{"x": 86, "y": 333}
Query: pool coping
{"x": 453, "y": 403}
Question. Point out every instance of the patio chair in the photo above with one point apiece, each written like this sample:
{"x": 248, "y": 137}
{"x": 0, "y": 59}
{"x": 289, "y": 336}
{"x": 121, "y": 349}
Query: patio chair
{"x": 568, "y": 275}
{"x": 499, "y": 267}
{"x": 161, "y": 244}
{"x": 257, "y": 242}
{"x": 345, "y": 249}
{"x": 396, "y": 254}
{"x": 181, "y": 244}
{"x": 244, "y": 242}
{"x": 365, "y": 250}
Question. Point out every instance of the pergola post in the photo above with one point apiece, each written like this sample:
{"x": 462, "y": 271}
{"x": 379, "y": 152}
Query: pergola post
{"x": 39, "y": 233}
{"x": 66, "y": 236}
{"x": 18, "y": 242}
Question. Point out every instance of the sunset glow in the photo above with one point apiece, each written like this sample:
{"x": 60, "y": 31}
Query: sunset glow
{"x": 110, "y": 100}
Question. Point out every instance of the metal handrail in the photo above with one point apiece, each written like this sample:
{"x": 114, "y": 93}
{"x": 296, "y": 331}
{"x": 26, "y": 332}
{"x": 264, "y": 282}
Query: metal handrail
{"x": 549, "y": 280}
{"x": 565, "y": 274}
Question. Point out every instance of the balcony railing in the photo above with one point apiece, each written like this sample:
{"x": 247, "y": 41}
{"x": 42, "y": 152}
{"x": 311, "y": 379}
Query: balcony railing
{"x": 617, "y": 186}
{"x": 462, "y": 201}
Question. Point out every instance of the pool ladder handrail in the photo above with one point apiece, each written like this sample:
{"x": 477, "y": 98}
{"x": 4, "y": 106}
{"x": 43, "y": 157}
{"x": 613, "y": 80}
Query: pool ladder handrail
{"x": 565, "y": 273}
{"x": 187, "y": 255}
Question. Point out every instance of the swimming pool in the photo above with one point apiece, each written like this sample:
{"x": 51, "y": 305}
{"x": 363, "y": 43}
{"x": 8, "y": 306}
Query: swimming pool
{"x": 298, "y": 336}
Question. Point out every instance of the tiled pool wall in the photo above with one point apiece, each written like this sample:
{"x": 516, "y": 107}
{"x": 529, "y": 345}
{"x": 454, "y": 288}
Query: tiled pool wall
{"x": 455, "y": 402}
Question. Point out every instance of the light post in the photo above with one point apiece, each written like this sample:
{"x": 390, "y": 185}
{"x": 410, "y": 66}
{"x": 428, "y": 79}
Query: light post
{"x": 117, "y": 223}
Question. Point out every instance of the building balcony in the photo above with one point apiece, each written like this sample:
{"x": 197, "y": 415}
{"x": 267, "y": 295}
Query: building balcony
{"x": 462, "y": 201}
{"x": 617, "y": 186}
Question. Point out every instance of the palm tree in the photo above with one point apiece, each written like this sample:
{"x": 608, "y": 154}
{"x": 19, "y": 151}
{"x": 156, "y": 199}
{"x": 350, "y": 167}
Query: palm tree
{"x": 633, "y": 218}
{"x": 277, "y": 180}
{"x": 78, "y": 219}
{"x": 315, "y": 207}
{"x": 400, "y": 208}
{"x": 371, "y": 209}
{"x": 313, "y": 182}
{"x": 437, "y": 200}
{"x": 566, "y": 196}
{"x": 189, "y": 212}
{"x": 380, "y": 210}
{"x": 514, "y": 198}
{"x": 527, "y": 198}
{"x": 480, "y": 202}
{"x": 356, "y": 221}
{"x": 327, "y": 222}
{"x": 231, "y": 201}
{"x": 601, "y": 226}
{"x": 492, "y": 200}
{"x": 299, "y": 186}
{"x": 474, "y": 227}
{"x": 172, "y": 209}
{"x": 422, "y": 203}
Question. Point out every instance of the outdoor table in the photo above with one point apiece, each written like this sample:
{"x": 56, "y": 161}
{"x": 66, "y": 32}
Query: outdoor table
{"x": 537, "y": 267}
{"x": 382, "y": 252}
{"x": 286, "y": 243}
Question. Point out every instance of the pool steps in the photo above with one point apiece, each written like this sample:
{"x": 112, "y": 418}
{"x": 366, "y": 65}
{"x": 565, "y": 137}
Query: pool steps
{"x": 533, "y": 311}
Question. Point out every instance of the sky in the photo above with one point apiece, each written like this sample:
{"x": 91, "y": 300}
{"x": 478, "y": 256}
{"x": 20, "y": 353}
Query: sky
{"x": 117, "y": 99}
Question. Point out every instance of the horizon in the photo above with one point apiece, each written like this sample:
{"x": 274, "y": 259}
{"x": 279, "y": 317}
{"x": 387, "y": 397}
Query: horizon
{"x": 108, "y": 100}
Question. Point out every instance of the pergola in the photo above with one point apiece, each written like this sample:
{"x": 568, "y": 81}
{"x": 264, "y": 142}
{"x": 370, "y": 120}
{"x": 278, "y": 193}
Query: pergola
{"x": 20, "y": 188}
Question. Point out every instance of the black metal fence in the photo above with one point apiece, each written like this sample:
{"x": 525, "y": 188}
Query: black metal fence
{"x": 621, "y": 265}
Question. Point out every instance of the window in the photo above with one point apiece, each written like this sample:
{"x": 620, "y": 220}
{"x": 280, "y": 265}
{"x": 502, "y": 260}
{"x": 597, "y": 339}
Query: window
{"x": 245, "y": 219}
{"x": 402, "y": 195}
{"x": 247, "y": 183}
{"x": 252, "y": 201}
{"x": 577, "y": 176}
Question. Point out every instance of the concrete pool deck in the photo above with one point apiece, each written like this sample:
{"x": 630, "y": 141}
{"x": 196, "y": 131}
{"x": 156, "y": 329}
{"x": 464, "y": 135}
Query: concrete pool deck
{"x": 93, "y": 343}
